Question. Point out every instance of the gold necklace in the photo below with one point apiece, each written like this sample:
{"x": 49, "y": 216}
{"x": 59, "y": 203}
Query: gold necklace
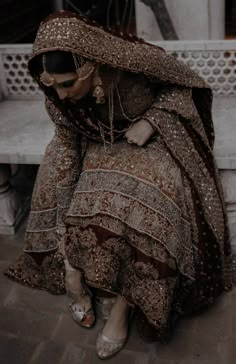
{"x": 114, "y": 85}
{"x": 110, "y": 116}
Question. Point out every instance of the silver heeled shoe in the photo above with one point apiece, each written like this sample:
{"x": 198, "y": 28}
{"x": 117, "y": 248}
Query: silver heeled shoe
{"x": 84, "y": 318}
{"x": 106, "y": 347}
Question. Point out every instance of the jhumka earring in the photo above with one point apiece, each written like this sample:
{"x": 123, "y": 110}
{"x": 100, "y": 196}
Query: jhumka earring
{"x": 98, "y": 91}
{"x": 45, "y": 77}
{"x": 83, "y": 68}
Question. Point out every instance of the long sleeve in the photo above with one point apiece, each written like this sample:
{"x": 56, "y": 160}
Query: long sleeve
{"x": 178, "y": 101}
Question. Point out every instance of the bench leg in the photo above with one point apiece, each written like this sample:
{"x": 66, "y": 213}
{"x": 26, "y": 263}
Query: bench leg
{"x": 12, "y": 208}
{"x": 228, "y": 178}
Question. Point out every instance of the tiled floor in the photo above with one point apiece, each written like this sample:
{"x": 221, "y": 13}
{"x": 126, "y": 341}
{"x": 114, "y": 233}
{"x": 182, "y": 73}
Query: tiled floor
{"x": 36, "y": 328}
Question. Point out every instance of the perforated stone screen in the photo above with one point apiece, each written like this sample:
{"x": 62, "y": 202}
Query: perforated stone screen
{"x": 18, "y": 81}
{"x": 218, "y": 68}
{"x": 215, "y": 61}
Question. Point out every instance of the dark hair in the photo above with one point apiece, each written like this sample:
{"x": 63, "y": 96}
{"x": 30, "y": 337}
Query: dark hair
{"x": 55, "y": 62}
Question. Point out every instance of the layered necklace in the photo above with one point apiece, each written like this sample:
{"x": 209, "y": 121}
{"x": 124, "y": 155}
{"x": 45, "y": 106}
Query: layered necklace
{"x": 113, "y": 88}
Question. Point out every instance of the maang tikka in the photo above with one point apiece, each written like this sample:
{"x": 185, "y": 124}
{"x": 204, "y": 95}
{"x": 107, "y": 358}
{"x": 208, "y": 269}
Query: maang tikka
{"x": 45, "y": 77}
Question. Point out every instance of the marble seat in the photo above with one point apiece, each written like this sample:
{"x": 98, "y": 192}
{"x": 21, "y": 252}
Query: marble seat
{"x": 25, "y": 131}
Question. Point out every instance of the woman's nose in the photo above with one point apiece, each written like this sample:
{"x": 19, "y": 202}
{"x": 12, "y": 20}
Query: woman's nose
{"x": 62, "y": 93}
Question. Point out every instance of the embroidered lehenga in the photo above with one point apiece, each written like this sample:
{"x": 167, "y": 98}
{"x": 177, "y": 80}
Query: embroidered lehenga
{"x": 146, "y": 223}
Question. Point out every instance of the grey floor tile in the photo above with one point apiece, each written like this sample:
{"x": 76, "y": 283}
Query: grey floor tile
{"x": 9, "y": 252}
{"x": 136, "y": 343}
{"x": 192, "y": 346}
{"x": 5, "y": 284}
{"x": 75, "y": 354}
{"x": 27, "y": 323}
{"x": 68, "y": 332}
{"x": 217, "y": 320}
{"x": 48, "y": 353}
{"x": 23, "y": 297}
{"x": 16, "y": 350}
{"x": 78, "y": 355}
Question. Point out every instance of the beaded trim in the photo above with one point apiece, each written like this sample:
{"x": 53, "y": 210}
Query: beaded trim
{"x": 72, "y": 33}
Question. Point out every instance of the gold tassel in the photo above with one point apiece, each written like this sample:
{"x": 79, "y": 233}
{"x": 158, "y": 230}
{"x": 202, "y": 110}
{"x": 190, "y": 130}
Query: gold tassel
{"x": 45, "y": 78}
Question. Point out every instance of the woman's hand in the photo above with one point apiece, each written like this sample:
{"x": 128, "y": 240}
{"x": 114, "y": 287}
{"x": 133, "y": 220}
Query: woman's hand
{"x": 139, "y": 133}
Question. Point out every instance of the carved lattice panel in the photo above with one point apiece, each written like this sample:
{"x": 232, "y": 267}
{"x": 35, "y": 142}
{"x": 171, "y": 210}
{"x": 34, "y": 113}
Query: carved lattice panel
{"x": 17, "y": 78}
{"x": 217, "y": 67}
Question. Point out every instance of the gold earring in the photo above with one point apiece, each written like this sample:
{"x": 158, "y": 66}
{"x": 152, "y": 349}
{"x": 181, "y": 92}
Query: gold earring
{"x": 45, "y": 77}
{"x": 98, "y": 91}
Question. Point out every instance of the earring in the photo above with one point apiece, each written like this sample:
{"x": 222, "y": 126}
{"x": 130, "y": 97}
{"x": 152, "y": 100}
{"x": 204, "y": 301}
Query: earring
{"x": 98, "y": 91}
{"x": 45, "y": 77}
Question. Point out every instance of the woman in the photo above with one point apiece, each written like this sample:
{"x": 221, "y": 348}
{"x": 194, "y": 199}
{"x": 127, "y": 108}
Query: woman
{"x": 127, "y": 202}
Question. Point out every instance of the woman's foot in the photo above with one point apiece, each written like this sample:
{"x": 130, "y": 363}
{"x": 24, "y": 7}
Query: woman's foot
{"x": 80, "y": 300}
{"x": 114, "y": 334}
{"x": 82, "y": 311}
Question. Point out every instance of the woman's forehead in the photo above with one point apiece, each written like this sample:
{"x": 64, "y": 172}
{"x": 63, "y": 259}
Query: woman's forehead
{"x": 61, "y": 77}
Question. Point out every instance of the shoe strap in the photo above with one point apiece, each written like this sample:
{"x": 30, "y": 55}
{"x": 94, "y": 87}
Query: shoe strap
{"x": 113, "y": 341}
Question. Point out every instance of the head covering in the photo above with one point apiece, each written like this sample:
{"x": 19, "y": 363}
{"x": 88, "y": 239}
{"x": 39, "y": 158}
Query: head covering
{"x": 71, "y": 32}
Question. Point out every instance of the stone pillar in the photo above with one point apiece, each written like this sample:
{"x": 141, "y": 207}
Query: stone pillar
{"x": 216, "y": 19}
{"x": 193, "y": 20}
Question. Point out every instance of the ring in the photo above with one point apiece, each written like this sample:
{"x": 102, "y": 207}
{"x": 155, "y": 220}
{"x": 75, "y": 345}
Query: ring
{"x": 129, "y": 141}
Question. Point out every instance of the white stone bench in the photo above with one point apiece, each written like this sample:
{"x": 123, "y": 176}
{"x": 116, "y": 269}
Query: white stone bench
{"x": 25, "y": 129}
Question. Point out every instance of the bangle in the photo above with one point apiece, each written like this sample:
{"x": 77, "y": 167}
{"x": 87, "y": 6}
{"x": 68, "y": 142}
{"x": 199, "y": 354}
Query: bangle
{"x": 150, "y": 122}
